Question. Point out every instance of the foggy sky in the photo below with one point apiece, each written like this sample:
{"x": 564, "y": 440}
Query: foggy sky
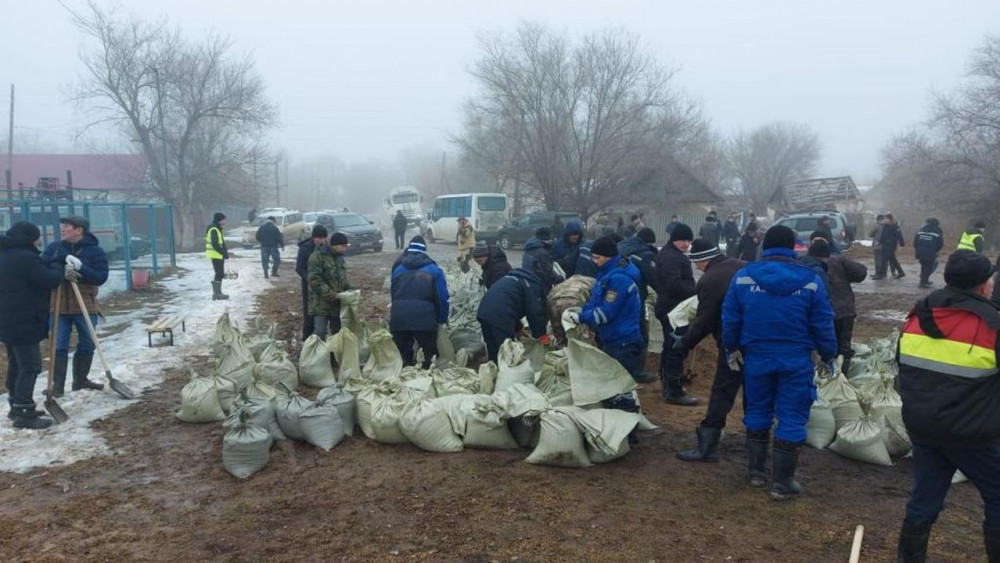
{"x": 367, "y": 79}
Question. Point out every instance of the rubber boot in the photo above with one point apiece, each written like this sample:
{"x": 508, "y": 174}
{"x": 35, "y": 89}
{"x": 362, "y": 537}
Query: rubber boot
{"x": 274, "y": 272}
{"x": 757, "y": 446}
{"x": 708, "y": 442}
{"x": 59, "y": 376}
{"x": 676, "y": 394}
{"x": 25, "y": 416}
{"x": 265, "y": 272}
{"x": 786, "y": 459}
{"x": 217, "y": 294}
{"x": 991, "y": 535}
{"x": 81, "y": 369}
{"x": 10, "y": 413}
{"x": 912, "y": 547}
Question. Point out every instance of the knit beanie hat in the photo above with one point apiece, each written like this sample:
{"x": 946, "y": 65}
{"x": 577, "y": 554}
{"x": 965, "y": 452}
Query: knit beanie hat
{"x": 967, "y": 269}
{"x": 604, "y": 246}
{"x": 218, "y": 217}
{"x": 779, "y": 236}
{"x": 319, "y": 231}
{"x": 481, "y": 250}
{"x": 543, "y": 233}
{"x": 681, "y": 232}
{"x": 702, "y": 250}
{"x": 417, "y": 244}
{"x": 646, "y": 235}
{"x": 819, "y": 248}
{"x": 338, "y": 239}
{"x": 25, "y": 231}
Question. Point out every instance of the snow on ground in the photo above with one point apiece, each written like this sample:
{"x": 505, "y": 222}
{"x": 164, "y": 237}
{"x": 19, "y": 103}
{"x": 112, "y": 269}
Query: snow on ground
{"x": 864, "y": 242}
{"x": 887, "y": 315}
{"x": 136, "y": 365}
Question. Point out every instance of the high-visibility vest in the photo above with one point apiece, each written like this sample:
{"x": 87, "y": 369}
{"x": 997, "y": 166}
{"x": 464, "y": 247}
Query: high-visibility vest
{"x": 968, "y": 241}
{"x": 966, "y": 350}
{"x": 210, "y": 252}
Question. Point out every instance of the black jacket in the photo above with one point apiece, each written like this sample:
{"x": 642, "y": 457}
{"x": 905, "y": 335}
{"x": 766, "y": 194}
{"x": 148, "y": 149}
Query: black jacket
{"x": 928, "y": 242}
{"x": 26, "y": 286}
{"x": 269, "y": 236}
{"x": 892, "y": 237}
{"x": 306, "y": 249}
{"x": 516, "y": 295}
{"x": 730, "y": 232}
{"x": 674, "y": 280}
{"x": 712, "y": 288}
{"x": 495, "y": 267}
{"x": 642, "y": 255}
{"x": 747, "y": 248}
{"x": 943, "y": 409}
{"x": 841, "y": 273}
{"x": 710, "y": 231}
{"x": 399, "y": 222}
{"x": 537, "y": 258}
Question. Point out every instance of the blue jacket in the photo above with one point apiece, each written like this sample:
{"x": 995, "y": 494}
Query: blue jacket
{"x": 537, "y": 258}
{"x": 928, "y": 242}
{"x": 615, "y": 309}
{"x": 778, "y": 307}
{"x": 642, "y": 255}
{"x": 516, "y": 295}
{"x": 26, "y": 285}
{"x": 95, "y": 262}
{"x": 419, "y": 294}
{"x": 269, "y": 236}
{"x": 568, "y": 254}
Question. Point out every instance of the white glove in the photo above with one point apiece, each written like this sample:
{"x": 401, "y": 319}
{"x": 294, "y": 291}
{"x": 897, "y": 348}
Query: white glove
{"x": 70, "y": 274}
{"x": 573, "y": 317}
{"x": 826, "y": 370}
{"x": 74, "y": 262}
{"x": 735, "y": 360}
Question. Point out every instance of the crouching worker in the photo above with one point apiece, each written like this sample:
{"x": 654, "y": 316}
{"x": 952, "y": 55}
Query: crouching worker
{"x": 25, "y": 287}
{"x": 419, "y": 303}
{"x": 514, "y": 296}
{"x": 776, "y": 312}
{"x": 327, "y": 274}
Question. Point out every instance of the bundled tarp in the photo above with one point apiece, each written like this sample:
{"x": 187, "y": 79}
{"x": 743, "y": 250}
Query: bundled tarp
{"x": 574, "y": 292}
{"x": 288, "y": 408}
{"x": 200, "y": 401}
{"x": 245, "y": 448}
{"x": 315, "y": 369}
{"x": 595, "y": 376}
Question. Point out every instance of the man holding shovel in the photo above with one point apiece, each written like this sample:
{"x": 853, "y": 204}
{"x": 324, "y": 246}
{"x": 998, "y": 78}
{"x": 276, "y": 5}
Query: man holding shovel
{"x": 79, "y": 250}
{"x": 25, "y": 284}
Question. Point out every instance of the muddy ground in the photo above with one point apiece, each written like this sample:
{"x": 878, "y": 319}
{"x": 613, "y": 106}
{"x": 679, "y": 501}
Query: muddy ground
{"x": 165, "y": 495}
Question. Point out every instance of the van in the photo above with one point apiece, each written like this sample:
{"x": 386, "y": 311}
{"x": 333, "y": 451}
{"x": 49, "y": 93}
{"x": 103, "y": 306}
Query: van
{"x": 487, "y": 212}
{"x": 291, "y": 224}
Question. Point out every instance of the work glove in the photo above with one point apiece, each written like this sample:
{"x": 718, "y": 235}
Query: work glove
{"x": 734, "y": 358}
{"x": 71, "y": 274}
{"x": 678, "y": 341}
{"x": 573, "y": 317}
{"x": 544, "y": 340}
{"x": 826, "y": 369}
{"x": 74, "y": 262}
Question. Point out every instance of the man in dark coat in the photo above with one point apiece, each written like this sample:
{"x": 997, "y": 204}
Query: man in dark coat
{"x": 493, "y": 261}
{"x": 891, "y": 239}
{"x": 399, "y": 228}
{"x": 841, "y": 272}
{"x": 79, "y": 248}
{"x": 419, "y": 304}
{"x": 271, "y": 243}
{"x": 566, "y": 250}
{"x": 514, "y": 296}
{"x": 641, "y": 252}
{"x": 731, "y": 232}
{"x": 717, "y": 273}
{"x": 26, "y": 284}
{"x": 674, "y": 283}
{"x": 926, "y": 244}
{"x": 746, "y": 250}
{"x": 825, "y": 231}
{"x": 537, "y": 258}
{"x": 710, "y": 229}
{"x": 306, "y": 248}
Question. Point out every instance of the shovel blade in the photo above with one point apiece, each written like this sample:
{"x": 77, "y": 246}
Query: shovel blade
{"x": 57, "y": 412}
{"x": 119, "y": 387}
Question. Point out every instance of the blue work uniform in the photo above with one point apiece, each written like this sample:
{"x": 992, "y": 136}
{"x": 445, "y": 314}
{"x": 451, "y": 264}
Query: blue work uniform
{"x": 776, "y": 313}
{"x": 614, "y": 312}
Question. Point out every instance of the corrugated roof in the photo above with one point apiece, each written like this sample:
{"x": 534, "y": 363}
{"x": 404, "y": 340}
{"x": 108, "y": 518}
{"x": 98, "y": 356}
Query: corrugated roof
{"x": 816, "y": 192}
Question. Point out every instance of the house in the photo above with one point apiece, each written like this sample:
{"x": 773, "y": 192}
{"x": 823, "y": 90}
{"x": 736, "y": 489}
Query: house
{"x": 88, "y": 176}
{"x": 817, "y": 194}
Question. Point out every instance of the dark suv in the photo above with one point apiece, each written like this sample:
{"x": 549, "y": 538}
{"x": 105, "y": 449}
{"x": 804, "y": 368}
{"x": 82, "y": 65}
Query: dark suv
{"x": 805, "y": 223}
{"x": 523, "y": 228}
{"x": 362, "y": 234}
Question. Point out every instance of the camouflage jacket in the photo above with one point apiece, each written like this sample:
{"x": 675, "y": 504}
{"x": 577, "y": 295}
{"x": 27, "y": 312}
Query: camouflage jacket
{"x": 327, "y": 277}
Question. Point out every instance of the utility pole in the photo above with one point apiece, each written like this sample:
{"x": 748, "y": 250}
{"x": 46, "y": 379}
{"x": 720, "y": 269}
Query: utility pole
{"x": 163, "y": 131}
{"x": 10, "y": 148}
{"x": 444, "y": 178}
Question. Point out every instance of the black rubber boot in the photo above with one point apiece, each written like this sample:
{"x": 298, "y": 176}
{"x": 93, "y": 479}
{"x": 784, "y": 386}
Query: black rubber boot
{"x": 274, "y": 273}
{"x": 59, "y": 376}
{"x": 265, "y": 273}
{"x": 757, "y": 446}
{"x": 81, "y": 369}
{"x": 708, "y": 442}
{"x": 676, "y": 394}
{"x": 786, "y": 459}
{"x": 912, "y": 546}
{"x": 217, "y": 294}
{"x": 991, "y": 535}
{"x": 25, "y": 416}
{"x": 12, "y": 416}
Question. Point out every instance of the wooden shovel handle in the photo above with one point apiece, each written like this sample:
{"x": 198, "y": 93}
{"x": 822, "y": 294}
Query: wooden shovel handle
{"x": 56, "y": 311}
{"x": 90, "y": 326}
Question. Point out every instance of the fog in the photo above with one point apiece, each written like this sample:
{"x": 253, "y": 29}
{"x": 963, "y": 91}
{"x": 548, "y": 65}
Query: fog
{"x": 367, "y": 82}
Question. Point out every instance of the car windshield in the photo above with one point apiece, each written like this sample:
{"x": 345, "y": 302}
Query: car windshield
{"x": 350, "y": 220}
{"x": 310, "y": 217}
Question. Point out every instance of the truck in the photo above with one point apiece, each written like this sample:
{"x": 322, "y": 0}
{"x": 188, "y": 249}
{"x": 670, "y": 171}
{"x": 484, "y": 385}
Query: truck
{"x": 406, "y": 199}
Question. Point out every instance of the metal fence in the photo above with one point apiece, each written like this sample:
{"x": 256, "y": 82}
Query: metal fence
{"x": 138, "y": 237}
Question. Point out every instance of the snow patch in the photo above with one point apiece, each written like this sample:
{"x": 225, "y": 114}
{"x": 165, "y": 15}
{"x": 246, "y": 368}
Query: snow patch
{"x": 141, "y": 368}
{"x": 887, "y": 315}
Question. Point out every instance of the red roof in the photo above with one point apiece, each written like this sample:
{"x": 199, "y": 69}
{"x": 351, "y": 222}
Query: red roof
{"x": 90, "y": 171}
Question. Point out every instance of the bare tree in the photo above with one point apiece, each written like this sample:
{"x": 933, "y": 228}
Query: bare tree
{"x": 195, "y": 110}
{"x": 769, "y": 156}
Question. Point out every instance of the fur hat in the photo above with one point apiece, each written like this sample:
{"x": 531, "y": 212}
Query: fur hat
{"x": 967, "y": 269}
{"x": 25, "y": 231}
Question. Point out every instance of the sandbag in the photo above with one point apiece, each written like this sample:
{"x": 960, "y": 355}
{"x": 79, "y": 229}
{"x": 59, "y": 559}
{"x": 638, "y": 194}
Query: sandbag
{"x": 522, "y": 399}
{"x": 245, "y": 449}
{"x": 606, "y": 431}
{"x": 486, "y": 427}
{"x": 350, "y": 301}
{"x": 314, "y": 364}
{"x": 258, "y": 389}
{"x": 821, "y": 429}
{"x": 842, "y": 398}
{"x": 886, "y": 402}
{"x": 895, "y": 437}
{"x": 594, "y": 375}
{"x": 534, "y": 351}
{"x": 235, "y": 363}
{"x": 276, "y": 367}
{"x": 344, "y": 346}
{"x": 683, "y": 313}
{"x": 321, "y": 425}
{"x": 379, "y": 406}
{"x": 364, "y": 348}
{"x": 385, "y": 363}
{"x": 560, "y": 443}
{"x": 343, "y": 402}
{"x": 553, "y": 379}
{"x": 467, "y": 338}
{"x": 200, "y": 401}
{"x": 487, "y": 378}
{"x": 226, "y": 390}
{"x": 259, "y": 412}
{"x": 427, "y": 425}
{"x": 227, "y": 336}
{"x": 513, "y": 366}
{"x": 455, "y": 381}
{"x": 861, "y": 440}
{"x": 385, "y": 412}
{"x": 446, "y": 351}
{"x": 288, "y": 407}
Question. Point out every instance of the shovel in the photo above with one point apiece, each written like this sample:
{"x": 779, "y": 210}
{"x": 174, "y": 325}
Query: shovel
{"x": 116, "y": 386}
{"x": 51, "y": 406}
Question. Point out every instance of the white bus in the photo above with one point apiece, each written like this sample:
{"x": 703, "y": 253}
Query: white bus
{"x": 486, "y": 211}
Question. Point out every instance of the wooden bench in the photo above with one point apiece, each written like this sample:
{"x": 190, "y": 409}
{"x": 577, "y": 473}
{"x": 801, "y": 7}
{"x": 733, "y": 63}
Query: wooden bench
{"x": 166, "y": 326}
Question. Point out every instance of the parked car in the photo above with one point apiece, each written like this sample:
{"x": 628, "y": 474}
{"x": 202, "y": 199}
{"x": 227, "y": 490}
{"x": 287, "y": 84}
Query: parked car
{"x": 291, "y": 223}
{"x": 362, "y": 233}
{"x": 805, "y": 223}
{"x": 523, "y": 228}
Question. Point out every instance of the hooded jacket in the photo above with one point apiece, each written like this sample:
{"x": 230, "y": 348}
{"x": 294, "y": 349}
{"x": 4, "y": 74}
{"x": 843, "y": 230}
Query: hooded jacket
{"x": 495, "y": 267}
{"x": 641, "y": 255}
{"x": 948, "y": 377}
{"x": 26, "y": 283}
{"x": 841, "y": 272}
{"x": 93, "y": 273}
{"x": 778, "y": 308}
{"x": 537, "y": 258}
{"x": 419, "y": 294}
{"x": 327, "y": 276}
{"x": 516, "y": 295}
{"x": 306, "y": 249}
{"x": 399, "y": 222}
{"x": 269, "y": 236}
{"x": 566, "y": 253}
{"x": 674, "y": 280}
{"x": 928, "y": 241}
{"x": 712, "y": 288}
{"x": 615, "y": 307}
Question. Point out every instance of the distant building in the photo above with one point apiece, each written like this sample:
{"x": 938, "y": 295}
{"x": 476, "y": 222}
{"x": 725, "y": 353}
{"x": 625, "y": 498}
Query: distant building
{"x": 817, "y": 194}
